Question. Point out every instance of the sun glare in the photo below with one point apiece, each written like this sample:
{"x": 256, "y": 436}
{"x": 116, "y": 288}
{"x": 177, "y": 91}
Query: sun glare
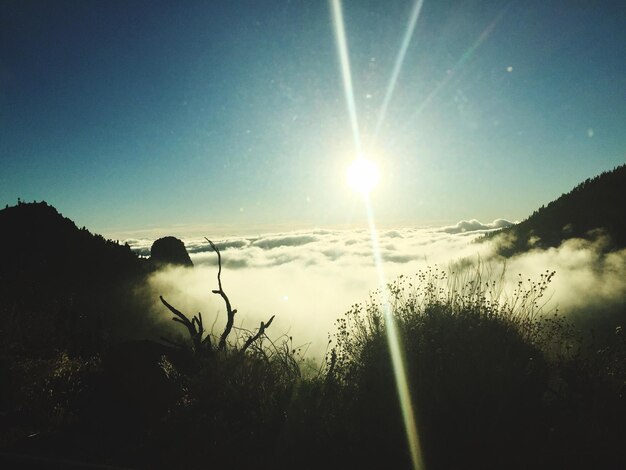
{"x": 362, "y": 175}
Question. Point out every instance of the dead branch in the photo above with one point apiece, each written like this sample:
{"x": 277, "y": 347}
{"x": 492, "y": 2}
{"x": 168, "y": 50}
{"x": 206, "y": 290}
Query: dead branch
{"x": 195, "y": 327}
{"x": 259, "y": 333}
{"x": 230, "y": 312}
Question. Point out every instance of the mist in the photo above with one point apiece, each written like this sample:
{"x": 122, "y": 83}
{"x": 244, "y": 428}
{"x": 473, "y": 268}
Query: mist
{"x": 309, "y": 279}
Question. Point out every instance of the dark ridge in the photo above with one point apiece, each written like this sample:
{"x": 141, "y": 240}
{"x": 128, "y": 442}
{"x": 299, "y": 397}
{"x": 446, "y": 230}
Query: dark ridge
{"x": 593, "y": 208}
{"x": 61, "y": 286}
{"x": 37, "y": 242}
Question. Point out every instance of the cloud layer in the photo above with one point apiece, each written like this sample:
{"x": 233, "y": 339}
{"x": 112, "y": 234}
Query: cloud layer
{"x": 476, "y": 226}
{"x": 309, "y": 279}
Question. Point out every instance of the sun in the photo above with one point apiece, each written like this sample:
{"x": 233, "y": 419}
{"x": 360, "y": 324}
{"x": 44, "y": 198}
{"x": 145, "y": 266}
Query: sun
{"x": 362, "y": 175}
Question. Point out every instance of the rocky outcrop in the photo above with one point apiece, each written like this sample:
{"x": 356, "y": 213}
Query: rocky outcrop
{"x": 170, "y": 250}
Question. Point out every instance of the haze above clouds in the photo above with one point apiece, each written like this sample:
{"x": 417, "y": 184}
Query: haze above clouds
{"x": 309, "y": 279}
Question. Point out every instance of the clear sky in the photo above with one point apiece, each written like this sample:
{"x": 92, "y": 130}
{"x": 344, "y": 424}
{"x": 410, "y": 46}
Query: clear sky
{"x": 128, "y": 115}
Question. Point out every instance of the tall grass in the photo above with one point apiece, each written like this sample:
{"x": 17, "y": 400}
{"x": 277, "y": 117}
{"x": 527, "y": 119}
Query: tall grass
{"x": 494, "y": 376}
{"x": 498, "y": 380}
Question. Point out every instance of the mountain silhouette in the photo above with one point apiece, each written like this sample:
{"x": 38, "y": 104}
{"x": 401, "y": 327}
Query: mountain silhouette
{"x": 62, "y": 286}
{"x": 38, "y": 244}
{"x": 593, "y": 208}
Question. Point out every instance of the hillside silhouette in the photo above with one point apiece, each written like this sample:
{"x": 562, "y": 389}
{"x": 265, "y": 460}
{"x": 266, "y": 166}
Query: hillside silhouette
{"x": 62, "y": 286}
{"x": 38, "y": 243}
{"x": 593, "y": 208}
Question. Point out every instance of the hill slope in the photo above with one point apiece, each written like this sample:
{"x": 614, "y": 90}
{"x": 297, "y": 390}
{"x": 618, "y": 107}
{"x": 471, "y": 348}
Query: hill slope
{"x": 39, "y": 244}
{"x": 62, "y": 286}
{"x": 595, "y": 204}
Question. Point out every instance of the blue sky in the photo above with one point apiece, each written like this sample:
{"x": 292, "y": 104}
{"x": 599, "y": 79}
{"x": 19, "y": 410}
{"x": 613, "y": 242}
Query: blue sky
{"x": 134, "y": 115}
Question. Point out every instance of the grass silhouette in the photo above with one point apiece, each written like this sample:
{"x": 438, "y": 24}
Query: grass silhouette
{"x": 497, "y": 382}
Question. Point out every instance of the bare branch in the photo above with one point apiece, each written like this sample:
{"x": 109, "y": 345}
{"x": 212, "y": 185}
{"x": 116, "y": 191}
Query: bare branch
{"x": 259, "y": 333}
{"x": 183, "y": 322}
{"x": 230, "y": 312}
{"x": 195, "y": 328}
{"x": 199, "y": 321}
{"x": 181, "y": 317}
{"x": 219, "y": 264}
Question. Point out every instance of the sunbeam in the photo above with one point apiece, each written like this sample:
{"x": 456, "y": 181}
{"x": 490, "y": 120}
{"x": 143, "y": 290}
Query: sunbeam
{"x": 395, "y": 348}
{"x": 467, "y": 55}
{"x": 342, "y": 50}
{"x": 398, "y": 66}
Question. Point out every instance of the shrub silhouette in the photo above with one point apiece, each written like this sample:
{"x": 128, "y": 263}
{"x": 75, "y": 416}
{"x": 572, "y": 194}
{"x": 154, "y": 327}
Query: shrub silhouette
{"x": 496, "y": 382}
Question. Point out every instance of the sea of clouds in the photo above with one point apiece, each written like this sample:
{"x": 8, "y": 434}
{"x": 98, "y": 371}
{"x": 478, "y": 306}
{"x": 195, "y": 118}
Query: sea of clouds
{"x": 310, "y": 278}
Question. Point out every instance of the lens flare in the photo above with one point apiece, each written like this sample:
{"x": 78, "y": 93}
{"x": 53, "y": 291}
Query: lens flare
{"x": 365, "y": 177}
{"x": 395, "y": 349}
{"x": 362, "y": 175}
{"x": 467, "y": 55}
{"x": 415, "y": 13}
{"x": 342, "y": 50}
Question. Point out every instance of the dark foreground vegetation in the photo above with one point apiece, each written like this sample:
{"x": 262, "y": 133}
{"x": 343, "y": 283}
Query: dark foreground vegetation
{"x": 496, "y": 383}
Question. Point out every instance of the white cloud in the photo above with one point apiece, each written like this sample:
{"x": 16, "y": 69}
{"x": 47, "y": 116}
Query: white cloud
{"x": 309, "y": 279}
{"x": 475, "y": 226}
{"x": 586, "y": 276}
